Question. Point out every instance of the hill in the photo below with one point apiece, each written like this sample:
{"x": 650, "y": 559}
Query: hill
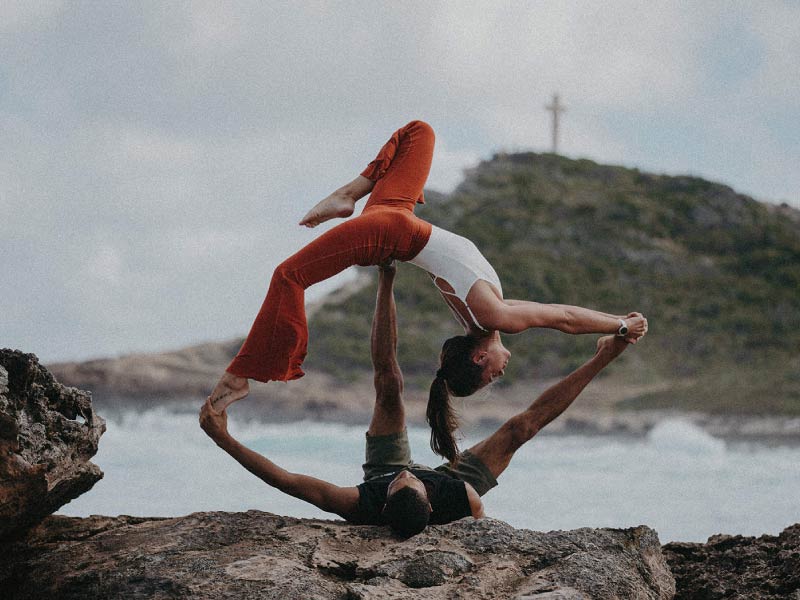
{"x": 716, "y": 272}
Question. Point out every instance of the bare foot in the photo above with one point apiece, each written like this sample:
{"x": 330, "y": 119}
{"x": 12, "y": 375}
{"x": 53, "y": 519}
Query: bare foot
{"x": 228, "y": 390}
{"x": 336, "y": 205}
{"x": 613, "y": 345}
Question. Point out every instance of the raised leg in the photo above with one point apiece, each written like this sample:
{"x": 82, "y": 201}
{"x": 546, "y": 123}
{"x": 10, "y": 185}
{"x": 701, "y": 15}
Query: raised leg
{"x": 497, "y": 450}
{"x": 396, "y": 177}
{"x": 276, "y": 345}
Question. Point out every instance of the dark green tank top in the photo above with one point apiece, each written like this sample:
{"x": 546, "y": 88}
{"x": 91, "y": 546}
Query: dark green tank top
{"x": 448, "y": 498}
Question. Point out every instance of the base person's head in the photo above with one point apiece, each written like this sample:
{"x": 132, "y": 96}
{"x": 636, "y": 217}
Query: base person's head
{"x": 407, "y": 509}
{"x": 468, "y": 363}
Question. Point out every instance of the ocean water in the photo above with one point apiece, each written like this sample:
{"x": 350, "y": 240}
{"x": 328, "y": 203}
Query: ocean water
{"x": 679, "y": 480}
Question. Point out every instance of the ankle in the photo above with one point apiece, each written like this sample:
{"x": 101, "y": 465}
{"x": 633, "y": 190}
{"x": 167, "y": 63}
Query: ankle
{"x": 346, "y": 195}
{"x": 234, "y": 381}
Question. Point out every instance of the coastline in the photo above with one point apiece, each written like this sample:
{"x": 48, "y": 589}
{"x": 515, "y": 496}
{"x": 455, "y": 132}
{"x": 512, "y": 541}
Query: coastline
{"x": 480, "y": 419}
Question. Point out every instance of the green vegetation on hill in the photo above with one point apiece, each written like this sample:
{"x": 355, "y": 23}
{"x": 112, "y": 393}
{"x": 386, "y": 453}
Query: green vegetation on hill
{"x": 717, "y": 273}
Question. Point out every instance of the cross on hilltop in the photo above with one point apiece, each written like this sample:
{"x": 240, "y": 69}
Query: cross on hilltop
{"x": 556, "y": 108}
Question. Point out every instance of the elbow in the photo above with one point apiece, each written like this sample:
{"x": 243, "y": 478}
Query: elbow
{"x": 522, "y": 428}
{"x": 554, "y": 317}
{"x": 285, "y": 482}
{"x": 385, "y": 366}
{"x": 389, "y": 378}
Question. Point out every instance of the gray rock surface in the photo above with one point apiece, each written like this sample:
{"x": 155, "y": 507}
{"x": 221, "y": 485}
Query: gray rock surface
{"x": 260, "y": 555}
{"x": 735, "y": 566}
{"x": 48, "y": 433}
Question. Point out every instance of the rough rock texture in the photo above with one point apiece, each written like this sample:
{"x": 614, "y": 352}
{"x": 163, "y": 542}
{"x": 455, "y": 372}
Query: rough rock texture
{"x": 733, "y": 566}
{"x": 259, "y": 555}
{"x": 48, "y": 433}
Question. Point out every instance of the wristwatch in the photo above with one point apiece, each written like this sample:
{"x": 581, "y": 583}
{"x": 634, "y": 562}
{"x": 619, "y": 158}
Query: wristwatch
{"x": 623, "y": 328}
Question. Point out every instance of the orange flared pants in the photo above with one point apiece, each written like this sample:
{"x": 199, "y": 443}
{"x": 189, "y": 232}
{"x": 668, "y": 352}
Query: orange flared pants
{"x": 386, "y": 229}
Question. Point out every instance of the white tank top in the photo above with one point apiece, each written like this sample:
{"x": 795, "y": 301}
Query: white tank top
{"x": 457, "y": 261}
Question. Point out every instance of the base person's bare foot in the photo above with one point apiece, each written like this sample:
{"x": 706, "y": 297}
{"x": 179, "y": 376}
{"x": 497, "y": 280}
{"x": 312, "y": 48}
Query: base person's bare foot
{"x": 612, "y": 345}
{"x": 334, "y": 206}
{"x": 228, "y": 390}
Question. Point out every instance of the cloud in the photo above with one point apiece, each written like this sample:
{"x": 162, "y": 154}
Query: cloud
{"x": 105, "y": 265}
{"x": 15, "y": 16}
{"x": 156, "y": 158}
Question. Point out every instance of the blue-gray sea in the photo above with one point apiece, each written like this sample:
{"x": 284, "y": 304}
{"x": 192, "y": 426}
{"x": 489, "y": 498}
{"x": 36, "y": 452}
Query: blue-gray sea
{"x": 679, "y": 480}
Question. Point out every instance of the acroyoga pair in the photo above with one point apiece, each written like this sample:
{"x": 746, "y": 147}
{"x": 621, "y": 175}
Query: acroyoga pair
{"x": 397, "y": 491}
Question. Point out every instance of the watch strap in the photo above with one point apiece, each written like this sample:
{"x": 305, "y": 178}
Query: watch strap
{"x": 623, "y": 328}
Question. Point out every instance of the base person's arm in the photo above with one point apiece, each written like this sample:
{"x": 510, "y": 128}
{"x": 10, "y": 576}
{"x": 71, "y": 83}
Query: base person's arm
{"x": 389, "y": 414}
{"x": 383, "y": 339}
{"x": 326, "y": 496}
{"x": 497, "y": 450}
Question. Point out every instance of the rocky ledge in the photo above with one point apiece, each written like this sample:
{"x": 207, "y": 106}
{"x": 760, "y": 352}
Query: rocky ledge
{"x": 735, "y": 566}
{"x": 48, "y": 433}
{"x": 260, "y": 555}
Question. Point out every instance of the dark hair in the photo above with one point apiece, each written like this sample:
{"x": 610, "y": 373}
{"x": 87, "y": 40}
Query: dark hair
{"x": 458, "y": 375}
{"x": 407, "y": 512}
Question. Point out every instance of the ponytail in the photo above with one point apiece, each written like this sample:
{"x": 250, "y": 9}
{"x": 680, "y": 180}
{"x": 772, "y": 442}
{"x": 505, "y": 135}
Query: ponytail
{"x": 443, "y": 420}
{"x": 460, "y": 375}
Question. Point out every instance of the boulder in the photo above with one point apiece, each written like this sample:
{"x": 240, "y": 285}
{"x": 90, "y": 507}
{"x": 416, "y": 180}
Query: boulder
{"x": 48, "y": 433}
{"x": 261, "y": 555}
{"x": 735, "y": 566}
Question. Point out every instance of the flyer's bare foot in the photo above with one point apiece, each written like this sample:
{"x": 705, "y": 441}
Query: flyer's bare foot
{"x": 228, "y": 390}
{"x": 612, "y": 345}
{"x": 337, "y": 205}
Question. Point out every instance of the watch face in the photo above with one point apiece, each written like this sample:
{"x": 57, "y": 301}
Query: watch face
{"x": 623, "y": 330}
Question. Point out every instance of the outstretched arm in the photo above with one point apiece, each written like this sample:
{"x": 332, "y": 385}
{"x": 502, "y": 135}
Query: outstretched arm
{"x": 515, "y": 316}
{"x": 570, "y": 319}
{"x": 324, "y": 495}
{"x": 496, "y": 450}
{"x": 389, "y": 414}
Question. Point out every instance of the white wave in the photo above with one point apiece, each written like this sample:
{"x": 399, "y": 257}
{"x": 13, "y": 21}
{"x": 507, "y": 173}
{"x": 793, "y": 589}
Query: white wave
{"x": 684, "y": 437}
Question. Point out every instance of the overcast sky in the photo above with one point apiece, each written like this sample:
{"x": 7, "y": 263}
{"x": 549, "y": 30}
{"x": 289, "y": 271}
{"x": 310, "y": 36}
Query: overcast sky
{"x": 156, "y": 156}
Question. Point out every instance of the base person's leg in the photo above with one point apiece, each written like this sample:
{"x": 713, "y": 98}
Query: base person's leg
{"x": 497, "y": 450}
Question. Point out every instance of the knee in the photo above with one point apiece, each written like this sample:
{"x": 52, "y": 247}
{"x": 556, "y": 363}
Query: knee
{"x": 282, "y": 270}
{"x": 521, "y": 429}
{"x": 421, "y": 127}
{"x": 285, "y": 272}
